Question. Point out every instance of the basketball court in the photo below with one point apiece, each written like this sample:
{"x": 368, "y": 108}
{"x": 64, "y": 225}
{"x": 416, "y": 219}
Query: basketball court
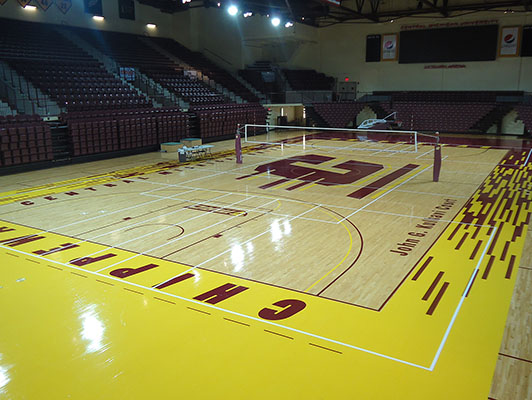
{"x": 328, "y": 265}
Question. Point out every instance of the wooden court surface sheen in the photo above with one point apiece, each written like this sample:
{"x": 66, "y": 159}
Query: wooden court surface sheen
{"x": 329, "y": 269}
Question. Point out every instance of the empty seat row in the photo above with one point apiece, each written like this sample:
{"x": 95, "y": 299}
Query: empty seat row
{"x": 338, "y": 115}
{"x": 105, "y": 131}
{"x": 24, "y": 140}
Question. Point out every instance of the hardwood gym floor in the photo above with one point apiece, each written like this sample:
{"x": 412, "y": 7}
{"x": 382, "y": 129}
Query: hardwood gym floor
{"x": 329, "y": 268}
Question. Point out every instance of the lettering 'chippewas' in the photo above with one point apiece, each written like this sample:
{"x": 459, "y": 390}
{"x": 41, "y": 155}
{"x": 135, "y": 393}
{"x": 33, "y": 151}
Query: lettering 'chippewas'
{"x": 283, "y": 309}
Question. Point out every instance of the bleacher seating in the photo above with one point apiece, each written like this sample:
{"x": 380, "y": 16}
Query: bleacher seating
{"x": 5, "y": 108}
{"x": 439, "y": 116}
{"x": 207, "y": 67}
{"x": 24, "y": 139}
{"x": 223, "y": 120}
{"x": 130, "y": 51}
{"x": 338, "y": 115}
{"x": 61, "y": 70}
{"x": 254, "y": 78}
{"x": 104, "y": 131}
{"x": 308, "y": 79}
{"x": 454, "y": 96}
{"x": 524, "y": 111}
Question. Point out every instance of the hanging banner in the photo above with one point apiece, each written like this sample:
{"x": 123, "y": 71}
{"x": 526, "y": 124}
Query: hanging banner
{"x": 44, "y": 4}
{"x": 93, "y": 7}
{"x": 63, "y": 5}
{"x": 126, "y": 9}
{"x": 24, "y": 3}
{"x": 509, "y": 41}
{"x": 2, "y": 2}
{"x": 389, "y": 47}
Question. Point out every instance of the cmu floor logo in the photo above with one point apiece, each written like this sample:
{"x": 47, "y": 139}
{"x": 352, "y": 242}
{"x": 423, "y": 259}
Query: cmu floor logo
{"x": 290, "y": 169}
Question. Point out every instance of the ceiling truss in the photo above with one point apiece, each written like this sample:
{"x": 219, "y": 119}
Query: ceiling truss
{"x": 320, "y": 13}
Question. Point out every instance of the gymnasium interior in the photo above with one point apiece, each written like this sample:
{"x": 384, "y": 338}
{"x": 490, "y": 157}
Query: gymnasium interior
{"x": 278, "y": 199}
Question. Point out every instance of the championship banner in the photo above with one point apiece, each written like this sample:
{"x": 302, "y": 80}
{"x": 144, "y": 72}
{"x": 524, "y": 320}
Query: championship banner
{"x": 389, "y": 47}
{"x": 509, "y": 41}
{"x": 63, "y": 5}
{"x": 24, "y": 3}
{"x": 44, "y": 4}
{"x": 2, "y": 2}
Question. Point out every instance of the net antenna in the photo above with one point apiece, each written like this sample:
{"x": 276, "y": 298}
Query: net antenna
{"x": 370, "y": 123}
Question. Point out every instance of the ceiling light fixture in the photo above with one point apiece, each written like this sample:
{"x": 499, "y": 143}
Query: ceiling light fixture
{"x": 232, "y": 10}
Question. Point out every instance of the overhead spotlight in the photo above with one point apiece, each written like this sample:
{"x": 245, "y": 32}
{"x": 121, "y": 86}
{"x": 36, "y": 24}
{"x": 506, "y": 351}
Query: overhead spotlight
{"x": 289, "y": 24}
{"x": 29, "y": 8}
{"x": 247, "y": 14}
{"x": 98, "y": 18}
{"x": 232, "y": 10}
{"x": 185, "y": 1}
{"x": 276, "y": 21}
{"x": 218, "y": 4}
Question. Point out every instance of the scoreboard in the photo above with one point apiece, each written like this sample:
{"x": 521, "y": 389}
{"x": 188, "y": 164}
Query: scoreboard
{"x": 471, "y": 43}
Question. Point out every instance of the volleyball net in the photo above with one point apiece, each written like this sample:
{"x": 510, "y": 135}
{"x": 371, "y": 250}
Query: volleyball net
{"x": 395, "y": 141}
{"x": 344, "y": 140}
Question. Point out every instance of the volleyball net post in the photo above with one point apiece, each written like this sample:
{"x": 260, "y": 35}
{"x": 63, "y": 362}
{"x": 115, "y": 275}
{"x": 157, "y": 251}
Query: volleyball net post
{"x": 238, "y": 145}
{"x": 436, "y": 168}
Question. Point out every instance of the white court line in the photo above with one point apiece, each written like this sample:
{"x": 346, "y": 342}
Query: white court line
{"x": 253, "y": 238}
{"x": 235, "y": 172}
{"x": 390, "y": 147}
{"x": 174, "y": 240}
{"x": 343, "y": 207}
{"x": 168, "y": 227}
{"x": 111, "y": 213}
{"x": 421, "y": 155}
{"x": 192, "y": 189}
{"x": 200, "y": 303}
{"x": 136, "y": 224}
{"x": 384, "y": 194}
{"x": 459, "y": 306}
{"x": 337, "y": 206}
{"x": 526, "y": 161}
{"x": 270, "y": 212}
{"x": 389, "y": 155}
{"x": 228, "y": 250}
